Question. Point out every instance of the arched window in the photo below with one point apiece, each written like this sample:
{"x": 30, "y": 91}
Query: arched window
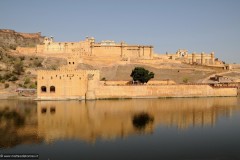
{"x": 69, "y": 62}
{"x": 73, "y": 62}
{"x": 52, "y": 89}
{"x": 44, "y": 89}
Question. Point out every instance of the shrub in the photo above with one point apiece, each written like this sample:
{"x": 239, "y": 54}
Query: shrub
{"x": 20, "y": 85}
{"x": 33, "y": 86}
{"x": 13, "y": 47}
{"x": 6, "y": 85}
{"x": 1, "y": 77}
{"x": 185, "y": 80}
{"x": 22, "y": 58}
{"x": 53, "y": 67}
{"x": 18, "y": 67}
{"x": 13, "y": 78}
{"x": 37, "y": 63}
{"x": 27, "y": 81}
{"x": 103, "y": 79}
{"x": 7, "y": 75}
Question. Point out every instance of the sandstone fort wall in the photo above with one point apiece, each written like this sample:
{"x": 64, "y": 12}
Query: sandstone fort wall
{"x": 145, "y": 91}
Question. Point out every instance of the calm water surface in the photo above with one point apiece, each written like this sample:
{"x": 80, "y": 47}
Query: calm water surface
{"x": 200, "y": 128}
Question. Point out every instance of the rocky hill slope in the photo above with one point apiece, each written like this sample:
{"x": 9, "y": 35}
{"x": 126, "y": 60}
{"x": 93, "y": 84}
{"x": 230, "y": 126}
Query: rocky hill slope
{"x": 11, "y": 39}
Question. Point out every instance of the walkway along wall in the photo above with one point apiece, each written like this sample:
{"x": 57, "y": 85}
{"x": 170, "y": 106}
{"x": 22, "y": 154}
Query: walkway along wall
{"x": 145, "y": 91}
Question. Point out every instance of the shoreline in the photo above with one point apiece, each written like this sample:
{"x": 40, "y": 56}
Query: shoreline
{"x": 34, "y": 98}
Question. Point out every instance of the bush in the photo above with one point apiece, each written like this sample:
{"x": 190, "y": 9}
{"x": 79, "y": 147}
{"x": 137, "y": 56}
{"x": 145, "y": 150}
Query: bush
{"x": 53, "y": 67}
{"x": 185, "y": 80}
{"x": 103, "y": 79}
{"x": 33, "y": 86}
{"x": 141, "y": 74}
{"x": 6, "y": 85}
{"x": 22, "y": 58}
{"x": 1, "y": 77}
{"x": 7, "y": 75}
{"x": 37, "y": 63}
{"x": 13, "y": 78}
{"x": 20, "y": 85}
{"x": 18, "y": 67}
{"x": 13, "y": 47}
{"x": 27, "y": 81}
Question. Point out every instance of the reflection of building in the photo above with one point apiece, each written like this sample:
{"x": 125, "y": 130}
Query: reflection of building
{"x": 111, "y": 119}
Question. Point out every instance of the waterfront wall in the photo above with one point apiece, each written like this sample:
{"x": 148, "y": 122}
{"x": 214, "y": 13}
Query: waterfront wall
{"x": 144, "y": 91}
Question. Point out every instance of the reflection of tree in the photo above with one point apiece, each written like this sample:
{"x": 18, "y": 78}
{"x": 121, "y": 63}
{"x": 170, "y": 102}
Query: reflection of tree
{"x": 11, "y": 121}
{"x": 141, "y": 120}
{"x": 11, "y": 117}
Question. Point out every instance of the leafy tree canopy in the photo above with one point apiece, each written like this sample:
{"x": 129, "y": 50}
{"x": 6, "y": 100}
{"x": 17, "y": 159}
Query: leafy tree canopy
{"x": 141, "y": 74}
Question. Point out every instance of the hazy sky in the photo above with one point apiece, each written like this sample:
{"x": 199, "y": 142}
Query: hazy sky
{"x": 168, "y": 25}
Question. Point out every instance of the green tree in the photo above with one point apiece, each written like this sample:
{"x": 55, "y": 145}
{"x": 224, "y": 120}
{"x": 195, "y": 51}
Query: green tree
{"x": 141, "y": 74}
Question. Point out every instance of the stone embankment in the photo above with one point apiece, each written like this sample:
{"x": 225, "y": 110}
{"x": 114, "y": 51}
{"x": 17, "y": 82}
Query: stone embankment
{"x": 158, "y": 91}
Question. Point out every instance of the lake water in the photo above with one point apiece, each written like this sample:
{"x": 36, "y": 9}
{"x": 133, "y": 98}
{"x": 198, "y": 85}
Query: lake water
{"x": 181, "y": 128}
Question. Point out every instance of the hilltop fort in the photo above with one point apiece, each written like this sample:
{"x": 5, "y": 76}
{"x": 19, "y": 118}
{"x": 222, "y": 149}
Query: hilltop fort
{"x": 111, "y": 49}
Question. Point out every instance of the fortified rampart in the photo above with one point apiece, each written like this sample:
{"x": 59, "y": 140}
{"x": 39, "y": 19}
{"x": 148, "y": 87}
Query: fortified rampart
{"x": 158, "y": 91}
{"x": 88, "y": 47}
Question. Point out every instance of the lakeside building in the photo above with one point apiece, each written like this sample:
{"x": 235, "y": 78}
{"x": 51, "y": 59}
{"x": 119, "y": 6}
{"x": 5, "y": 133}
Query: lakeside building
{"x": 70, "y": 83}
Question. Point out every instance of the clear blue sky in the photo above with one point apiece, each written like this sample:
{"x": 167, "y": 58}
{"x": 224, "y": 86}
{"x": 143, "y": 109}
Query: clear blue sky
{"x": 168, "y": 25}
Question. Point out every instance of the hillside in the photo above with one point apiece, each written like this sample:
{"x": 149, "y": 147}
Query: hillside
{"x": 11, "y": 39}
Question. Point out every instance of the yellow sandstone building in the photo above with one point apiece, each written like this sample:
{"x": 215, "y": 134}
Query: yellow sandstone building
{"x": 110, "y": 49}
{"x": 67, "y": 82}
{"x": 70, "y": 83}
{"x": 88, "y": 47}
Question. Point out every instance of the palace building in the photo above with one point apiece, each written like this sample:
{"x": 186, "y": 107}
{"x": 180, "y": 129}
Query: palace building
{"x": 88, "y": 47}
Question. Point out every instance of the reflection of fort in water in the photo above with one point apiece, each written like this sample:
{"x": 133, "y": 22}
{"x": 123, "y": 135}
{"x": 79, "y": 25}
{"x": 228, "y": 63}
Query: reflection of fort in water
{"x": 110, "y": 119}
